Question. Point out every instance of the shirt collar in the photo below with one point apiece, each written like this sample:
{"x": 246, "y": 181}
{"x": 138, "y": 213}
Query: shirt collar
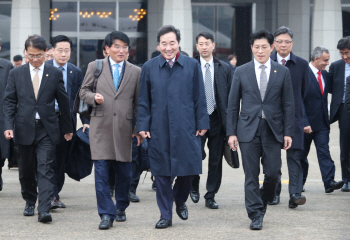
{"x": 267, "y": 64}
{"x": 113, "y": 62}
{"x": 40, "y": 68}
{"x": 55, "y": 64}
{"x": 279, "y": 58}
{"x": 313, "y": 69}
{"x": 203, "y": 62}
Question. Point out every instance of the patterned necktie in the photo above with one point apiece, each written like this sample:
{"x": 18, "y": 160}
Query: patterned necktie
{"x": 36, "y": 82}
{"x": 263, "y": 84}
{"x": 320, "y": 81}
{"x": 171, "y": 63}
{"x": 284, "y": 62}
{"x": 208, "y": 85}
{"x": 65, "y": 84}
{"x": 116, "y": 76}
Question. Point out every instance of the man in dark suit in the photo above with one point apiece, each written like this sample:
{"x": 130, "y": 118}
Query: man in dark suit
{"x": 338, "y": 72}
{"x": 217, "y": 77}
{"x": 298, "y": 69}
{"x": 30, "y": 118}
{"x": 264, "y": 125}
{"x": 72, "y": 78}
{"x": 5, "y": 67}
{"x": 316, "y": 120}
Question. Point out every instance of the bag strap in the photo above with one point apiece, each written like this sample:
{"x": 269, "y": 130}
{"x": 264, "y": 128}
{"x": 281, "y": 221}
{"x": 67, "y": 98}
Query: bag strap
{"x": 97, "y": 73}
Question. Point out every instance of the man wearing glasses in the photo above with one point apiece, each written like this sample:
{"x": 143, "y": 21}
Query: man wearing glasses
{"x": 338, "y": 72}
{"x": 30, "y": 118}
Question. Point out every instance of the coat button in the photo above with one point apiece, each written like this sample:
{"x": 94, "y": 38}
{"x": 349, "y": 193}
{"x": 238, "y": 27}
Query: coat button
{"x": 115, "y": 98}
{"x": 114, "y": 114}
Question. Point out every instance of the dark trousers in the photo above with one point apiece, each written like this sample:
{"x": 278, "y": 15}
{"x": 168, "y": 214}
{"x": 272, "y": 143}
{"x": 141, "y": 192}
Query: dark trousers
{"x": 216, "y": 141}
{"x": 321, "y": 140}
{"x": 166, "y": 194}
{"x": 105, "y": 204}
{"x": 61, "y": 156}
{"x": 266, "y": 146}
{"x": 37, "y": 160}
{"x": 295, "y": 172}
{"x": 344, "y": 142}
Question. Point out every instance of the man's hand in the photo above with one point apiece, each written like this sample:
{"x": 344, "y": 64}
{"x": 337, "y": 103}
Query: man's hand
{"x": 287, "y": 142}
{"x": 68, "y": 136}
{"x": 201, "y": 132}
{"x": 307, "y": 129}
{"x": 145, "y": 134}
{"x": 139, "y": 139}
{"x": 99, "y": 98}
{"x": 8, "y": 134}
{"x": 85, "y": 126}
{"x": 233, "y": 142}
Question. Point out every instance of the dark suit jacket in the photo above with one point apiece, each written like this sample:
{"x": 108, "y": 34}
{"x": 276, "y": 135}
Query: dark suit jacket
{"x": 316, "y": 104}
{"x": 74, "y": 81}
{"x": 222, "y": 85}
{"x": 5, "y": 67}
{"x": 347, "y": 94}
{"x": 278, "y": 104}
{"x": 336, "y": 87}
{"x": 299, "y": 70}
{"x": 20, "y": 105}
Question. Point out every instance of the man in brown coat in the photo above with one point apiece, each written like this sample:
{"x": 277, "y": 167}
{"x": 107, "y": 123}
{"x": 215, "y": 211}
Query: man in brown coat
{"x": 114, "y": 105}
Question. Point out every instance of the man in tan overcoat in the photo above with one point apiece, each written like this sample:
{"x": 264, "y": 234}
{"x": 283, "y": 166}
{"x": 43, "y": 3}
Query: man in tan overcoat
{"x": 111, "y": 131}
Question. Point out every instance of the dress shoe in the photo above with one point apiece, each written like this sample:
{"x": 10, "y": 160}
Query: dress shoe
{"x": 28, "y": 210}
{"x": 55, "y": 203}
{"x": 1, "y": 183}
{"x": 44, "y": 217}
{"x": 194, "y": 194}
{"x": 296, "y": 199}
{"x": 345, "y": 188}
{"x": 120, "y": 217}
{"x": 256, "y": 223}
{"x": 105, "y": 223}
{"x": 275, "y": 201}
{"x": 154, "y": 186}
{"x": 164, "y": 223}
{"x": 334, "y": 186}
{"x": 181, "y": 210}
{"x": 210, "y": 203}
{"x": 133, "y": 197}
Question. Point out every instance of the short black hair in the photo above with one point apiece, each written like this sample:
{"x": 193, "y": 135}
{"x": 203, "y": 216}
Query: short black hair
{"x": 167, "y": 29}
{"x": 116, "y": 35}
{"x": 49, "y": 46}
{"x": 61, "y": 38}
{"x": 35, "y": 41}
{"x": 283, "y": 30}
{"x": 103, "y": 45}
{"x": 17, "y": 58}
{"x": 344, "y": 43}
{"x": 206, "y": 35}
{"x": 262, "y": 34}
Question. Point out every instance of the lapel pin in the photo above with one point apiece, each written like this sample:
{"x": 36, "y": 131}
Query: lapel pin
{"x": 275, "y": 71}
{"x": 47, "y": 75}
{"x": 70, "y": 71}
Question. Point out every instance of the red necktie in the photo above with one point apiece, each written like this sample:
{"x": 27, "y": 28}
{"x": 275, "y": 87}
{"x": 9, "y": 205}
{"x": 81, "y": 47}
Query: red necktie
{"x": 284, "y": 62}
{"x": 320, "y": 81}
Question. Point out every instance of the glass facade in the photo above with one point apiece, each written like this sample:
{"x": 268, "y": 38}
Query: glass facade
{"x": 5, "y": 28}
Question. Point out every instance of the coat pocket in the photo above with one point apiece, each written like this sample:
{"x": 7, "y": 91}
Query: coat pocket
{"x": 129, "y": 116}
{"x": 244, "y": 117}
{"x": 97, "y": 113}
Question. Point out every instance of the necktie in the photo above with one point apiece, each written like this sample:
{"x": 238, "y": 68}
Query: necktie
{"x": 284, "y": 62}
{"x": 36, "y": 82}
{"x": 116, "y": 76}
{"x": 263, "y": 84}
{"x": 65, "y": 83}
{"x": 208, "y": 85}
{"x": 171, "y": 63}
{"x": 320, "y": 81}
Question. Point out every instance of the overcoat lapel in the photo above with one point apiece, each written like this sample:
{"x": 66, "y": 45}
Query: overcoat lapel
{"x": 127, "y": 74}
{"x": 106, "y": 73}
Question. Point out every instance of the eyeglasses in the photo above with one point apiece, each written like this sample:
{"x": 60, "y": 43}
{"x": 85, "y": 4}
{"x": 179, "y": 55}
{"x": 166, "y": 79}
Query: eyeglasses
{"x": 35, "y": 56}
{"x": 342, "y": 54}
{"x": 119, "y": 47}
{"x": 286, "y": 42}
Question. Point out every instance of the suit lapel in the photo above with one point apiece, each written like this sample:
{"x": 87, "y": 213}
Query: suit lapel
{"x": 314, "y": 81}
{"x": 43, "y": 79}
{"x": 253, "y": 79}
{"x": 342, "y": 71}
{"x": 272, "y": 78}
{"x": 28, "y": 79}
{"x": 70, "y": 76}
{"x": 127, "y": 74}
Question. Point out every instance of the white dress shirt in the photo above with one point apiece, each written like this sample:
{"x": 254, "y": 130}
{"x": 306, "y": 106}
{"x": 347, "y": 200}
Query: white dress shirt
{"x": 279, "y": 59}
{"x": 211, "y": 68}
{"x": 111, "y": 62}
{"x": 40, "y": 74}
{"x": 315, "y": 71}
{"x": 258, "y": 70}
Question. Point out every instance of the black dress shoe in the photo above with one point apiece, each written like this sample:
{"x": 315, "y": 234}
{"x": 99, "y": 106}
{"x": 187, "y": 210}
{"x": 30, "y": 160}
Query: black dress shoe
{"x": 181, "y": 210}
{"x": 256, "y": 224}
{"x": 210, "y": 203}
{"x": 345, "y": 188}
{"x": 133, "y": 197}
{"x": 194, "y": 194}
{"x": 334, "y": 186}
{"x": 296, "y": 199}
{"x": 120, "y": 217}
{"x": 28, "y": 210}
{"x": 275, "y": 201}
{"x": 105, "y": 223}
{"x": 154, "y": 186}
{"x": 44, "y": 217}
{"x": 55, "y": 203}
{"x": 164, "y": 223}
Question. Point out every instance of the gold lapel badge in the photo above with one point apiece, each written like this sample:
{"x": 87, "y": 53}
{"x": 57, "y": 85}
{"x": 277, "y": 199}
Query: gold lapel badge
{"x": 70, "y": 71}
{"x": 275, "y": 71}
{"x": 47, "y": 75}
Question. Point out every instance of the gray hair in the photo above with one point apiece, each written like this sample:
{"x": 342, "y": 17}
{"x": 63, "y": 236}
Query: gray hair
{"x": 317, "y": 52}
{"x": 283, "y": 30}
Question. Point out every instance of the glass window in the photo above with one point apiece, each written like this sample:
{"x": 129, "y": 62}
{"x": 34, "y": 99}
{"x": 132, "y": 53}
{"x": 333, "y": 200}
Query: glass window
{"x": 5, "y": 30}
{"x": 90, "y": 50}
{"x": 132, "y": 17}
{"x": 138, "y": 50}
{"x": 346, "y": 21}
{"x": 97, "y": 17}
{"x": 63, "y": 16}
{"x": 224, "y": 37}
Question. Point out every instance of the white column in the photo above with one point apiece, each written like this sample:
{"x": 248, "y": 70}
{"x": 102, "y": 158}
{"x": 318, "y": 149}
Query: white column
{"x": 25, "y": 21}
{"x": 155, "y": 21}
{"x": 327, "y": 26}
{"x": 179, "y": 14}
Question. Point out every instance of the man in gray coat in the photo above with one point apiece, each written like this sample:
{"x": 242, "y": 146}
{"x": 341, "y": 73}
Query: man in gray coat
{"x": 114, "y": 105}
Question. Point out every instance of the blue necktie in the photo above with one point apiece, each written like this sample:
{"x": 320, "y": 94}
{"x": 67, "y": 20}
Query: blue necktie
{"x": 116, "y": 76}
